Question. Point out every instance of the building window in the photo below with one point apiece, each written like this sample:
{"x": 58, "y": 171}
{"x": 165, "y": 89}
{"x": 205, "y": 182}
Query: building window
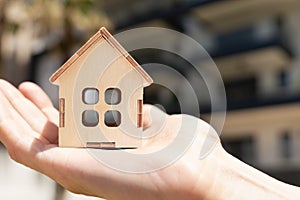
{"x": 90, "y": 96}
{"x": 113, "y": 96}
{"x": 286, "y": 145}
{"x": 112, "y": 118}
{"x": 90, "y": 118}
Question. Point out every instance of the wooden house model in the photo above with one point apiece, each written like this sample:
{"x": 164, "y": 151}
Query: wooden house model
{"x": 100, "y": 96}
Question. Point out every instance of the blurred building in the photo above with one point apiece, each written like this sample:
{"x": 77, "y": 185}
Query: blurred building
{"x": 255, "y": 45}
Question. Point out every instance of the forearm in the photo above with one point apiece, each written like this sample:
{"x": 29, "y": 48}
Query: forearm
{"x": 233, "y": 179}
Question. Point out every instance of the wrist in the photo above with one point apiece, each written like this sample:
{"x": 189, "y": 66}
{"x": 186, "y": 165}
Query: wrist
{"x": 231, "y": 178}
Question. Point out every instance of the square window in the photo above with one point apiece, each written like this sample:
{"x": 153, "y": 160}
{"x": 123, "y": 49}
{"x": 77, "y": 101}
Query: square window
{"x": 112, "y": 118}
{"x": 113, "y": 96}
{"x": 90, "y": 118}
{"x": 90, "y": 96}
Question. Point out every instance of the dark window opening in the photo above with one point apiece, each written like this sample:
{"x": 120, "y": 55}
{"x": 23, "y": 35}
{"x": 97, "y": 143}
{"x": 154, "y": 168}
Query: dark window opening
{"x": 90, "y": 118}
{"x": 112, "y": 118}
{"x": 113, "y": 96}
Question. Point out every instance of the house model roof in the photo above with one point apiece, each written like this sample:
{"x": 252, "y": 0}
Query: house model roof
{"x": 102, "y": 33}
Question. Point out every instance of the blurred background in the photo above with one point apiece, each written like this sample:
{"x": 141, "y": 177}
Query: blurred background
{"x": 255, "y": 45}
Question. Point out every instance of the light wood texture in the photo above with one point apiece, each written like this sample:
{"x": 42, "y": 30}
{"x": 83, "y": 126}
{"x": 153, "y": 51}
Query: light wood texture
{"x": 101, "y": 145}
{"x": 101, "y": 63}
{"x": 102, "y": 33}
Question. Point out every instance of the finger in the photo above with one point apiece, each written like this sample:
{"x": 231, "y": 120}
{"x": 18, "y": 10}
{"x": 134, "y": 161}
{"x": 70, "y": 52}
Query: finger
{"x": 43, "y": 102}
{"x": 27, "y": 110}
{"x": 15, "y": 133}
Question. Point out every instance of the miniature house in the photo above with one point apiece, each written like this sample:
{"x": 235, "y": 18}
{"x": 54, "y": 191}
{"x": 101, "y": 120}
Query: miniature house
{"x": 100, "y": 96}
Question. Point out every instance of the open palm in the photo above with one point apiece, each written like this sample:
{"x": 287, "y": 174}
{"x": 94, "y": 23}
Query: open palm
{"x": 28, "y": 129}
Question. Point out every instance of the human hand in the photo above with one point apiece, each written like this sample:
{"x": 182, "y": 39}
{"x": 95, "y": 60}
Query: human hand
{"x": 28, "y": 129}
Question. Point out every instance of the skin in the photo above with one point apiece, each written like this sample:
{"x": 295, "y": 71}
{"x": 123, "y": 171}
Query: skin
{"x": 29, "y": 131}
